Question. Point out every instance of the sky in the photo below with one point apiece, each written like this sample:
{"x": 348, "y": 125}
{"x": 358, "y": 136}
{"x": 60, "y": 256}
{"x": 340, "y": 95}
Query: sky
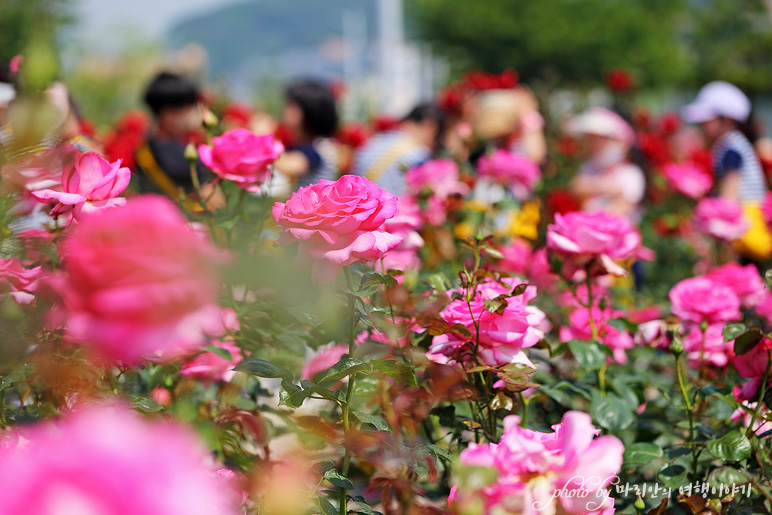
{"x": 107, "y": 23}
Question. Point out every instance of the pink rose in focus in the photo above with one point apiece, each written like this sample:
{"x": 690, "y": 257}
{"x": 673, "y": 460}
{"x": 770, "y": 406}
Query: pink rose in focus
{"x": 600, "y": 240}
{"x": 720, "y": 218}
{"x": 566, "y": 471}
{"x": 580, "y": 329}
{"x": 19, "y": 282}
{"x": 502, "y": 336}
{"x": 745, "y": 281}
{"x": 513, "y": 170}
{"x": 89, "y": 185}
{"x": 242, "y": 157}
{"x": 139, "y": 282}
{"x": 701, "y": 299}
{"x": 688, "y": 178}
{"x": 337, "y": 224}
{"x": 440, "y": 177}
{"x": 210, "y": 366}
{"x": 108, "y": 459}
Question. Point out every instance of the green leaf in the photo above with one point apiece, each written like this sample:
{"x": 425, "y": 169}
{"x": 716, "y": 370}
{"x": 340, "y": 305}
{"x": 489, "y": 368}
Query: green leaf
{"x": 438, "y": 282}
{"x": 442, "y": 453}
{"x": 291, "y": 395}
{"x": 18, "y": 374}
{"x": 519, "y": 289}
{"x": 146, "y": 405}
{"x": 338, "y": 479}
{"x": 344, "y": 368}
{"x": 362, "y": 503}
{"x": 732, "y": 331}
{"x": 402, "y": 372}
{"x": 326, "y": 506}
{"x": 768, "y": 278}
{"x": 747, "y": 341}
{"x": 726, "y": 476}
{"x": 378, "y": 422}
{"x": 589, "y": 355}
{"x": 733, "y": 446}
{"x": 325, "y": 465}
{"x": 262, "y": 368}
{"x": 672, "y": 476}
{"x": 223, "y": 353}
{"x": 611, "y": 412}
{"x": 375, "y": 277}
{"x": 642, "y": 453}
{"x": 495, "y": 253}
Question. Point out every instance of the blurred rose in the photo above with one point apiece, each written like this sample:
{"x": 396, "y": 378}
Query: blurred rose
{"x": 688, "y": 179}
{"x": 745, "y": 281}
{"x": 580, "y": 329}
{"x": 19, "y": 282}
{"x": 211, "y": 366}
{"x": 516, "y": 171}
{"x": 721, "y": 218}
{"x": 701, "y": 299}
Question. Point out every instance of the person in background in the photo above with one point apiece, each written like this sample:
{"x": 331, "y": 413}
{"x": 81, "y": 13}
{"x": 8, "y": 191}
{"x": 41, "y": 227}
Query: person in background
{"x": 607, "y": 180}
{"x": 69, "y": 129}
{"x": 161, "y": 163}
{"x": 723, "y": 113}
{"x": 384, "y": 158}
{"x": 311, "y": 116}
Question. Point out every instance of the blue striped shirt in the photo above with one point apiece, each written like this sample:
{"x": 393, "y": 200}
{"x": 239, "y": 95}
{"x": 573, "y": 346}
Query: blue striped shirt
{"x": 374, "y": 154}
{"x": 733, "y": 151}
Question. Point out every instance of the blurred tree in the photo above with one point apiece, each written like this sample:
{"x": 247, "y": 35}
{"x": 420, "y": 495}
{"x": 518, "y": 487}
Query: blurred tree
{"x": 559, "y": 40}
{"x": 22, "y": 21}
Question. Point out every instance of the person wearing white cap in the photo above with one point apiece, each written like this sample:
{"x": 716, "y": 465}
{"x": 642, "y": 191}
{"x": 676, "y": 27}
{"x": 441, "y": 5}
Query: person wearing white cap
{"x": 607, "y": 180}
{"x": 722, "y": 110}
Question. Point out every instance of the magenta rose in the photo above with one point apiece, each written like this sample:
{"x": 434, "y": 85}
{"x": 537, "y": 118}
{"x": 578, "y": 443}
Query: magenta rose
{"x": 109, "y": 460}
{"x": 709, "y": 347}
{"x": 502, "y": 336}
{"x": 440, "y": 177}
{"x": 139, "y": 281}
{"x": 36, "y": 173}
{"x": 337, "y": 224}
{"x": 517, "y": 257}
{"x": 720, "y": 218}
{"x": 210, "y": 366}
{"x": 688, "y": 178}
{"x": 766, "y": 209}
{"x": 753, "y": 364}
{"x": 405, "y": 225}
{"x": 513, "y": 170}
{"x": 745, "y": 281}
{"x": 701, "y": 299}
{"x": 18, "y": 282}
{"x": 599, "y": 240}
{"x": 242, "y": 157}
{"x": 89, "y": 185}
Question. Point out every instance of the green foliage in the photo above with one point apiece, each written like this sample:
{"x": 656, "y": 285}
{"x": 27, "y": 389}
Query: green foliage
{"x": 24, "y": 21}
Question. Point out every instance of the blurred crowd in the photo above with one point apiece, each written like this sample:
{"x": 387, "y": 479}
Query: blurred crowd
{"x": 623, "y": 160}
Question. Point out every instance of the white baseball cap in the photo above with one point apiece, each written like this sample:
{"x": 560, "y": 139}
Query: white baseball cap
{"x": 717, "y": 99}
{"x": 601, "y": 122}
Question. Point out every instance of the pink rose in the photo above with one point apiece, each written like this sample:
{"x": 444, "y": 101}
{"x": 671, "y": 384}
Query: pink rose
{"x": 502, "y": 336}
{"x": 337, "y": 224}
{"x": 688, "y": 178}
{"x": 580, "y": 329}
{"x": 753, "y": 364}
{"x": 745, "y": 281}
{"x": 720, "y": 218}
{"x": 139, "y": 281}
{"x": 405, "y": 225}
{"x": 540, "y": 272}
{"x": 566, "y": 471}
{"x": 322, "y": 359}
{"x": 701, "y": 299}
{"x": 517, "y": 257}
{"x": 440, "y": 177}
{"x": 766, "y": 209}
{"x": 598, "y": 240}
{"x": 90, "y": 185}
{"x": 513, "y": 170}
{"x": 19, "y": 282}
{"x": 210, "y": 366}
{"x": 710, "y": 348}
{"x": 242, "y": 157}
{"x": 36, "y": 173}
{"x": 108, "y": 459}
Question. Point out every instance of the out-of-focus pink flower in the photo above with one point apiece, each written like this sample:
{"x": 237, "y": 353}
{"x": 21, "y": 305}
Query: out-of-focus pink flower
{"x": 89, "y": 185}
{"x": 337, "y": 224}
{"x": 439, "y": 176}
{"x": 540, "y": 272}
{"x": 242, "y": 157}
{"x": 139, "y": 282}
{"x": 688, "y": 178}
{"x": 566, "y": 471}
{"x": 15, "y": 63}
{"x": 766, "y": 209}
{"x": 578, "y": 298}
{"x": 760, "y": 426}
{"x": 599, "y": 239}
{"x": 701, "y": 299}
{"x": 324, "y": 358}
{"x": 502, "y": 336}
{"x": 517, "y": 257}
{"x": 19, "y": 282}
{"x": 654, "y": 333}
{"x": 36, "y": 173}
{"x": 235, "y": 485}
{"x": 513, "y": 170}
{"x": 211, "y": 366}
{"x": 109, "y": 460}
{"x": 753, "y": 364}
{"x": 721, "y": 218}
{"x": 580, "y": 329}
{"x": 745, "y": 281}
{"x": 708, "y": 348}
{"x": 161, "y": 395}
{"x": 405, "y": 225}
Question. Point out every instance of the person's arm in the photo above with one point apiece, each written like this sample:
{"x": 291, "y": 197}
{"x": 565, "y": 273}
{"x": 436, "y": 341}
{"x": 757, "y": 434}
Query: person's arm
{"x": 531, "y": 126}
{"x": 731, "y": 178}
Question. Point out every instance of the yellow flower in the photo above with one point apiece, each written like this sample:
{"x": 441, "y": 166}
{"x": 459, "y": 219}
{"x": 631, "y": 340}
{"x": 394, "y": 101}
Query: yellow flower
{"x": 525, "y": 223}
{"x": 464, "y": 230}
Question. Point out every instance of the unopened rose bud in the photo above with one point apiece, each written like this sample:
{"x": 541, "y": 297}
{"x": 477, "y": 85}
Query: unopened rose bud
{"x": 677, "y": 346}
{"x": 191, "y": 154}
{"x": 209, "y": 120}
{"x": 639, "y": 504}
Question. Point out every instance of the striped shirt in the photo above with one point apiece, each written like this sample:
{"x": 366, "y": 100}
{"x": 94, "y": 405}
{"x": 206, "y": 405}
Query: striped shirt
{"x": 321, "y": 155}
{"x": 733, "y": 151}
{"x": 406, "y": 153}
